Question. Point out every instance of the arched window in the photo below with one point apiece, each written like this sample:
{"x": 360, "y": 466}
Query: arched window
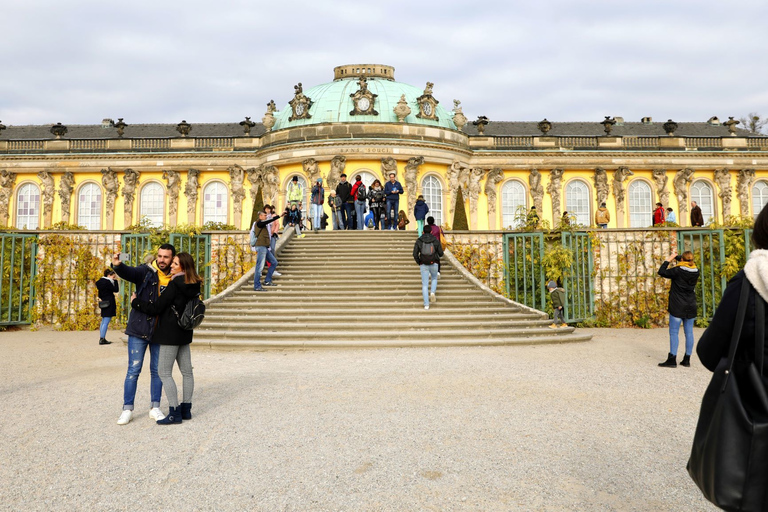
{"x": 577, "y": 201}
{"x": 640, "y": 204}
{"x": 759, "y": 197}
{"x": 701, "y": 192}
{"x": 513, "y": 196}
{"x": 28, "y": 207}
{"x": 215, "y": 205}
{"x": 432, "y": 191}
{"x": 367, "y": 177}
{"x": 89, "y": 206}
{"x": 152, "y": 203}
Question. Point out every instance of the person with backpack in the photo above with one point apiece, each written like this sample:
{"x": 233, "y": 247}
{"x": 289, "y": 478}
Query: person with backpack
{"x": 376, "y": 202}
{"x": 437, "y": 232}
{"x": 427, "y": 252}
{"x": 317, "y": 198}
{"x": 174, "y": 340}
{"x": 359, "y": 192}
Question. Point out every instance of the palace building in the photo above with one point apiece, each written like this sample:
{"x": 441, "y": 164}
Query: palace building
{"x": 110, "y": 175}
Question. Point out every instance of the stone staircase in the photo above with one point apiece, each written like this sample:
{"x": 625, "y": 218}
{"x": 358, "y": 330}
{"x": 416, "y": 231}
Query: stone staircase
{"x": 363, "y": 289}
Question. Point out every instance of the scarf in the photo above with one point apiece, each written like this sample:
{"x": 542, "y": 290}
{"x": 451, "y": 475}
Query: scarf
{"x": 756, "y": 271}
{"x": 688, "y": 264}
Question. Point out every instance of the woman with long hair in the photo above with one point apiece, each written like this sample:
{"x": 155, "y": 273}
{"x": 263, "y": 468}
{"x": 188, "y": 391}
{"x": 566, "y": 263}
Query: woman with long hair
{"x": 173, "y": 340}
{"x": 682, "y": 304}
{"x": 376, "y": 202}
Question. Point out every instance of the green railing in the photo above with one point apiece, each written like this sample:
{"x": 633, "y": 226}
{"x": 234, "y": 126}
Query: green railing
{"x": 524, "y": 272}
{"x": 18, "y": 258}
{"x": 708, "y": 247}
{"x": 199, "y": 246}
{"x": 578, "y": 280}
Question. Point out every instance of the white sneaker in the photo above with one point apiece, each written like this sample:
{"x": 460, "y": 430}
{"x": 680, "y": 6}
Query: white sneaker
{"x": 276, "y": 273}
{"x": 125, "y": 417}
{"x": 432, "y": 297}
{"x": 156, "y": 414}
{"x": 426, "y": 307}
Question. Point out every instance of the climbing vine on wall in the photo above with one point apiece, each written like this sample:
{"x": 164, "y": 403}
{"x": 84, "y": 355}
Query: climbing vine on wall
{"x": 232, "y": 259}
{"x": 482, "y": 261}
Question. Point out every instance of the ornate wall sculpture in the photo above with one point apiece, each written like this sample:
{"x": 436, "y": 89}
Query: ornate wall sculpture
{"x": 601, "y": 185}
{"x": 456, "y": 172}
{"x": 271, "y": 180}
{"x": 363, "y": 100}
{"x": 174, "y": 185}
{"x": 190, "y": 190}
{"x": 743, "y": 186}
{"x": 537, "y": 190}
{"x": 388, "y": 165}
{"x": 300, "y": 104}
{"x": 130, "y": 182}
{"x": 236, "y": 179}
{"x": 723, "y": 180}
{"x": 476, "y": 175}
{"x": 495, "y": 176}
{"x": 111, "y": 187}
{"x": 620, "y": 175}
{"x": 66, "y": 188}
{"x": 312, "y": 171}
{"x": 554, "y": 189}
{"x": 411, "y": 181}
{"x": 682, "y": 178}
{"x": 256, "y": 179}
{"x": 402, "y": 110}
{"x": 7, "y": 182}
{"x": 49, "y": 192}
{"x": 338, "y": 163}
{"x": 660, "y": 178}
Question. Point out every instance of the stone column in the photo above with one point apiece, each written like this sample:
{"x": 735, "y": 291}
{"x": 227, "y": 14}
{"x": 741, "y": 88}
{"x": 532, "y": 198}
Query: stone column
{"x": 475, "y": 177}
{"x": 660, "y": 179}
{"x": 411, "y": 182}
{"x": 48, "y": 195}
{"x": 236, "y": 179}
{"x": 723, "y": 180}
{"x": 620, "y": 175}
{"x": 537, "y": 191}
{"x": 111, "y": 187}
{"x": 130, "y": 182}
{"x": 174, "y": 184}
{"x": 495, "y": 176}
{"x": 682, "y": 178}
{"x": 190, "y": 190}
{"x": 554, "y": 189}
{"x": 66, "y": 188}
{"x": 743, "y": 186}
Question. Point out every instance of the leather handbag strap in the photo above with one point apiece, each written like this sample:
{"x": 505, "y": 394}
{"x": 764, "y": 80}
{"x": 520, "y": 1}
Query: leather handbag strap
{"x": 746, "y": 287}
{"x": 759, "y": 332}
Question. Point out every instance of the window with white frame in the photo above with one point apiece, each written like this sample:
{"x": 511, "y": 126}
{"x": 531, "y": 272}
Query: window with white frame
{"x": 152, "y": 203}
{"x": 640, "y": 204}
{"x": 513, "y": 196}
{"x": 89, "y": 206}
{"x": 577, "y": 202}
{"x": 28, "y": 207}
{"x": 215, "y": 203}
{"x": 701, "y": 192}
{"x": 759, "y": 197}
{"x": 432, "y": 190}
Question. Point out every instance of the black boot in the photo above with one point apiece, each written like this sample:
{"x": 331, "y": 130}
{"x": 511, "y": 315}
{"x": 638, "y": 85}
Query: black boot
{"x": 186, "y": 411}
{"x": 686, "y": 361}
{"x": 103, "y": 341}
{"x": 174, "y": 417}
{"x": 671, "y": 362}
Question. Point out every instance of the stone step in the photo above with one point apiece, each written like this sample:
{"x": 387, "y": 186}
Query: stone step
{"x": 288, "y": 284}
{"x": 340, "y": 323}
{"x": 358, "y": 308}
{"x": 383, "y": 300}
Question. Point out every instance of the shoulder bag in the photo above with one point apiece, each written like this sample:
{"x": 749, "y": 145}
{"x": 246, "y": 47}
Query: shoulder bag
{"x": 729, "y": 458}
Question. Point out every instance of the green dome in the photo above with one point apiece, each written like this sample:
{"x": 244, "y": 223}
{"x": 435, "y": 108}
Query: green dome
{"x": 332, "y": 103}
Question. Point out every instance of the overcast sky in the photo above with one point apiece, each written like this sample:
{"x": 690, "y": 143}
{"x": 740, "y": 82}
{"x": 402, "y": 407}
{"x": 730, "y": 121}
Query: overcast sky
{"x": 79, "y": 61}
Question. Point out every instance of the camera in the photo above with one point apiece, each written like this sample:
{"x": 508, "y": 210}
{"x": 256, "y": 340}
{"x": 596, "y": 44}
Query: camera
{"x": 678, "y": 258}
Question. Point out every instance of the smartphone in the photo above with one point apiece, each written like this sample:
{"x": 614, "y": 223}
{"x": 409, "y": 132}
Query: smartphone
{"x": 123, "y": 256}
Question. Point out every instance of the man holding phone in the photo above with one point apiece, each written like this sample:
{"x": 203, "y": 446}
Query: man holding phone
{"x": 150, "y": 280}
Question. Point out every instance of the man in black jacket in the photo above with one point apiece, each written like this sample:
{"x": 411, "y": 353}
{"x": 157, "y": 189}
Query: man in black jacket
{"x": 427, "y": 251}
{"x": 150, "y": 280}
{"x": 344, "y": 192}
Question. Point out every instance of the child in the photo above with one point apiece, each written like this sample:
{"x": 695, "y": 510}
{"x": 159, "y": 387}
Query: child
{"x": 420, "y": 211}
{"x": 558, "y": 305}
{"x": 402, "y": 220}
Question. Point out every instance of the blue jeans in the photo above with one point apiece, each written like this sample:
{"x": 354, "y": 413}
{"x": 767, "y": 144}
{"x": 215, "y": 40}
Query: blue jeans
{"x": 674, "y": 329}
{"x": 103, "y": 326}
{"x": 338, "y": 222}
{"x": 393, "y": 206}
{"x": 360, "y": 211}
{"x": 137, "y": 347}
{"x": 263, "y": 255}
{"x": 346, "y": 214}
{"x": 428, "y": 271}
{"x": 317, "y": 215}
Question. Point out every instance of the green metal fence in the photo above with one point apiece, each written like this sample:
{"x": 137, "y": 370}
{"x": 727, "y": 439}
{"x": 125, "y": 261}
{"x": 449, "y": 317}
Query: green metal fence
{"x": 524, "y": 271}
{"x": 708, "y": 247}
{"x": 18, "y": 258}
{"x": 579, "y": 280}
{"x": 199, "y": 246}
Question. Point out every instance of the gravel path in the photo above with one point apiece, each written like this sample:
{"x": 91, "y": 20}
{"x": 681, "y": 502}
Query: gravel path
{"x": 585, "y": 427}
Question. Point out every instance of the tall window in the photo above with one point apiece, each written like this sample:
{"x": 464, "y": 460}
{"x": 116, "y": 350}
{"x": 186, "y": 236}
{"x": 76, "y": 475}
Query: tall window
{"x": 89, "y": 206}
{"x": 512, "y": 197}
{"x": 28, "y": 207}
{"x": 577, "y": 201}
{"x": 152, "y": 203}
{"x": 432, "y": 191}
{"x": 701, "y": 192}
{"x": 640, "y": 204}
{"x": 759, "y": 197}
{"x": 215, "y": 204}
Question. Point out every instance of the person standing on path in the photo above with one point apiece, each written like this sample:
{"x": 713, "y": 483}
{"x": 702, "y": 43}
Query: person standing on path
{"x": 150, "y": 280}
{"x": 420, "y": 211}
{"x": 359, "y": 192}
{"x": 107, "y": 287}
{"x": 427, "y": 251}
{"x": 682, "y": 304}
{"x": 558, "y": 305}
{"x": 602, "y": 217}
{"x": 260, "y": 231}
{"x": 392, "y": 191}
{"x": 317, "y": 198}
{"x": 697, "y": 219}
{"x": 344, "y": 191}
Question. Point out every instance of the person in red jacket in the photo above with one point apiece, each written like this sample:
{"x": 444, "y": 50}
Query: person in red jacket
{"x": 659, "y": 214}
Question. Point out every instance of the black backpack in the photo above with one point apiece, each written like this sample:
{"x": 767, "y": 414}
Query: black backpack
{"x": 427, "y": 256}
{"x": 361, "y": 192}
{"x": 193, "y": 314}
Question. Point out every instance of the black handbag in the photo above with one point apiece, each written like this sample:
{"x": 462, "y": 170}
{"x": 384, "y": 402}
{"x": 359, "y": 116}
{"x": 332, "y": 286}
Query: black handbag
{"x": 103, "y": 304}
{"x": 729, "y": 458}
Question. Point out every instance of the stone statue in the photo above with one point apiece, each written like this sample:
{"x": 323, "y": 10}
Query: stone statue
{"x": 554, "y": 189}
{"x": 7, "y": 182}
{"x": 66, "y": 188}
{"x": 476, "y": 175}
{"x": 312, "y": 171}
{"x": 48, "y": 196}
{"x": 723, "y": 180}
{"x": 411, "y": 173}
{"x": 402, "y": 110}
{"x": 601, "y": 185}
{"x": 130, "y": 182}
{"x": 236, "y": 179}
{"x": 660, "y": 179}
{"x": 269, "y": 117}
{"x": 190, "y": 190}
{"x": 455, "y": 173}
{"x": 620, "y": 175}
{"x": 537, "y": 190}
{"x": 338, "y": 163}
{"x": 495, "y": 176}
{"x": 256, "y": 179}
{"x": 111, "y": 187}
{"x": 743, "y": 186}
{"x": 270, "y": 176}
{"x": 682, "y": 178}
{"x": 459, "y": 119}
{"x": 428, "y": 88}
{"x": 174, "y": 185}
{"x": 388, "y": 165}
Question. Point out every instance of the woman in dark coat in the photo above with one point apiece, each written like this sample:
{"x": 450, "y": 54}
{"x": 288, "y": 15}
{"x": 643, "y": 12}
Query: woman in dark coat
{"x": 107, "y": 287}
{"x": 682, "y": 304}
{"x": 173, "y": 340}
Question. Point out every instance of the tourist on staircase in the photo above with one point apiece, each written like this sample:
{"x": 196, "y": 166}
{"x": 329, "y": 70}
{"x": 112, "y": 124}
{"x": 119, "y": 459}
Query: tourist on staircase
{"x": 274, "y": 234}
{"x": 376, "y": 200}
{"x": 294, "y": 220}
{"x": 427, "y": 252}
{"x": 295, "y": 191}
{"x": 260, "y": 243}
{"x": 392, "y": 191}
{"x": 344, "y": 191}
{"x": 317, "y": 198}
{"x": 437, "y": 232}
{"x": 359, "y": 193}
{"x": 420, "y": 211}
{"x": 334, "y": 201}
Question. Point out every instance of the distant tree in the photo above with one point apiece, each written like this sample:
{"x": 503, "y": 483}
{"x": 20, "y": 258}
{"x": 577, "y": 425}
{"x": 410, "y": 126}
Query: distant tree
{"x": 460, "y": 217}
{"x": 754, "y": 123}
{"x": 258, "y": 205}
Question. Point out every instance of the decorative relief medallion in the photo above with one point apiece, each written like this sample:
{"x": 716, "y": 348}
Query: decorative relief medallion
{"x": 402, "y": 110}
{"x": 300, "y": 104}
{"x": 427, "y": 104}
{"x": 363, "y": 100}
